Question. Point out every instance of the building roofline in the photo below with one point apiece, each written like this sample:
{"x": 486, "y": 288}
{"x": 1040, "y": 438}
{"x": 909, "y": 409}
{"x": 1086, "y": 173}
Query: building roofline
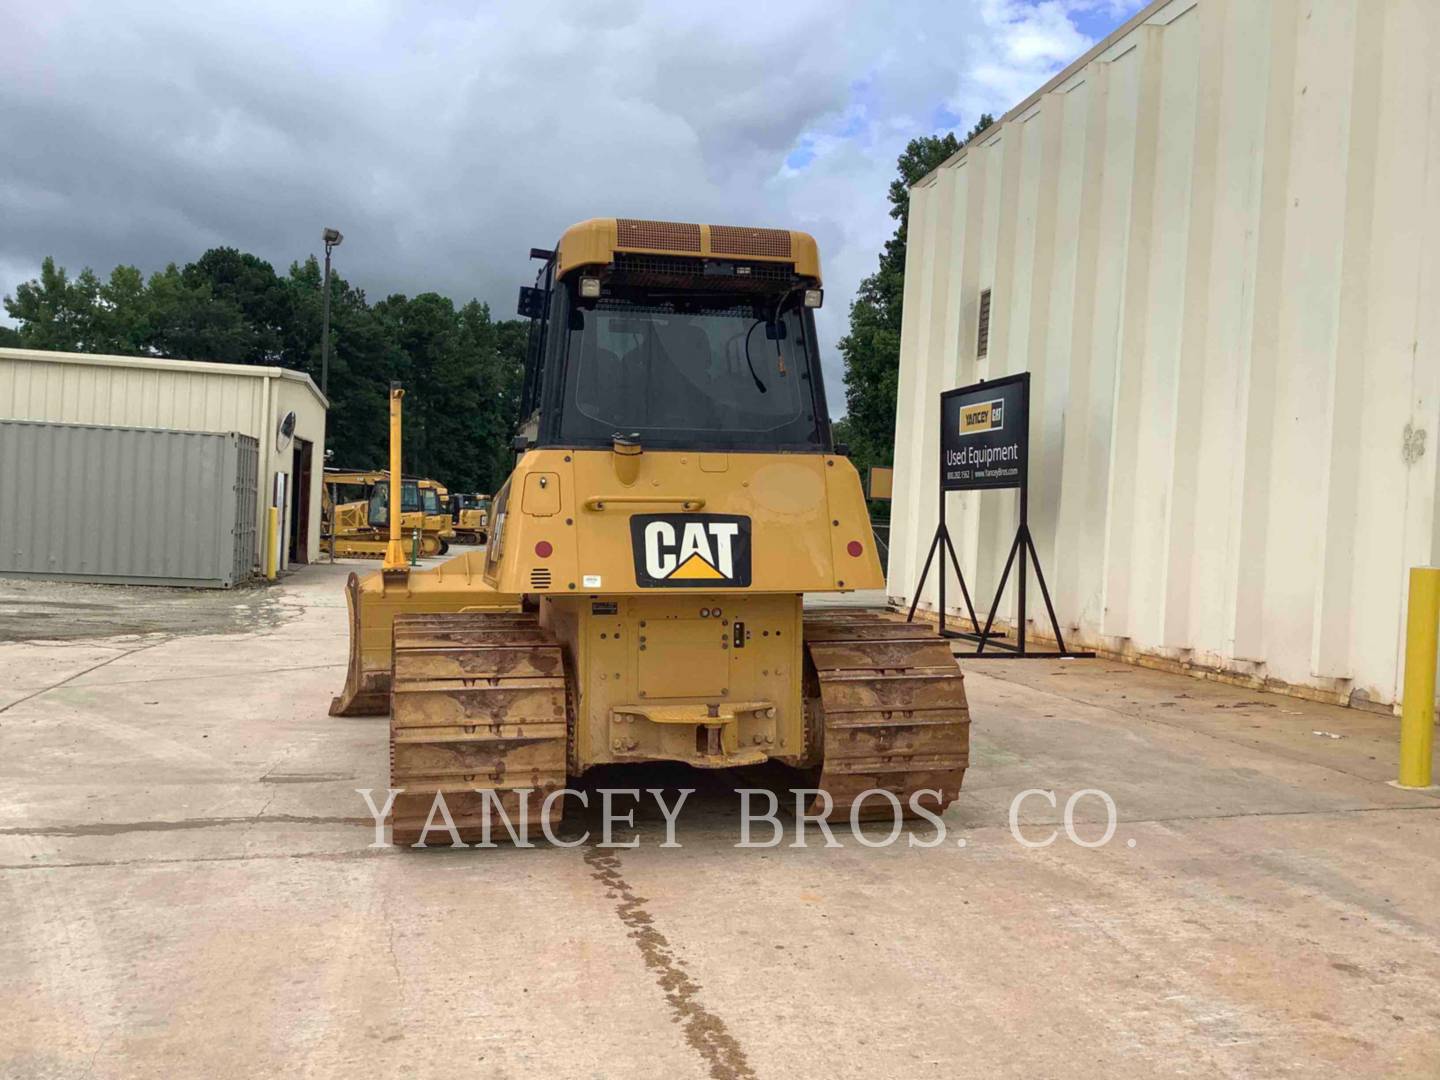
{"x": 1127, "y": 27}
{"x": 160, "y": 363}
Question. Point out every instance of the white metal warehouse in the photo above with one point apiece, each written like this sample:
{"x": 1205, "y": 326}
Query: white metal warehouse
{"x": 1214, "y": 241}
{"x": 190, "y": 396}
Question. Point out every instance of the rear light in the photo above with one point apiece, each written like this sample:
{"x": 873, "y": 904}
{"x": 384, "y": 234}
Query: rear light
{"x": 814, "y": 297}
{"x": 590, "y": 288}
{"x": 543, "y": 549}
{"x": 855, "y": 548}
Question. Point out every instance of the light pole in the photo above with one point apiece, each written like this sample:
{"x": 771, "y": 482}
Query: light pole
{"x": 332, "y": 239}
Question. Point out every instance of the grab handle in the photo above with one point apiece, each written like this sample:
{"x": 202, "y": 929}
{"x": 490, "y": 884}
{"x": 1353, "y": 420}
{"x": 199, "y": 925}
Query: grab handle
{"x": 685, "y": 502}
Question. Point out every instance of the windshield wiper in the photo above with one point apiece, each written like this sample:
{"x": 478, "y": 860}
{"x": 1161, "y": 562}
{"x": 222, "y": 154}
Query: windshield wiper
{"x": 750, "y": 363}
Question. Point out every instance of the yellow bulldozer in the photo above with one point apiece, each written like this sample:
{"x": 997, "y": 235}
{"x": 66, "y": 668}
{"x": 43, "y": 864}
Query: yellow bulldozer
{"x": 470, "y": 514}
{"x": 675, "y": 495}
{"x": 357, "y": 528}
{"x": 344, "y": 504}
{"x": 435, "y": 505}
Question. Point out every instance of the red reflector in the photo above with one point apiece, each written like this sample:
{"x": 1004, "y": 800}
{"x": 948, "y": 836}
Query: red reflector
{"x": 854, "y": 548}
{"x": 543, "y": 549}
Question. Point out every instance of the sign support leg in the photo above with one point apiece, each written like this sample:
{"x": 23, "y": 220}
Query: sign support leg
{"x": 955, "y": 561}
{"x": 1045, "y": 592}
{"x": 999, "y": 592}
{"x": 925, "y": 573}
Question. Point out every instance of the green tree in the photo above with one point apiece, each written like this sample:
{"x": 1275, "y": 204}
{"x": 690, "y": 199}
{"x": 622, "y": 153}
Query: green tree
{"x": 9, "y": 338}
{"x": 980, "y": 125}
{"x": 188, "y": 322}
{"x": 127, "y": 306}
{"x": 56, "y": 312}
{"x": 871, "y": 349}
{"x": 461, "y": 368}
{"x": 249, "y": 285}
{"x": 363, "y": 360}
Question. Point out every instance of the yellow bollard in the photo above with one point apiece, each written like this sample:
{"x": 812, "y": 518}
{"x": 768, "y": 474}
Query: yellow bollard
{"x": 1417, "y": 710}
{"x": 272, "y": 542}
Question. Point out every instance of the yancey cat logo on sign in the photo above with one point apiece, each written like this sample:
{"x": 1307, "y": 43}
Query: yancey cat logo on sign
{"x": 690, "y": 551}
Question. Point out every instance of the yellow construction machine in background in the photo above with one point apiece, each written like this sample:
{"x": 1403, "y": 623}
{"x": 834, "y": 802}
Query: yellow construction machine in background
{"x": 641, "y": 597}
{"x": 345, "y": 529}
{"x": 435, "y": 504}
{"x": 356, "y": 528}
{"x": 471, "y": 515}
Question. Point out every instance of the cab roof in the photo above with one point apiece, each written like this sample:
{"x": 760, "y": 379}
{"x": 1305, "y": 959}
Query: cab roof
{"x": 595, "y": 243}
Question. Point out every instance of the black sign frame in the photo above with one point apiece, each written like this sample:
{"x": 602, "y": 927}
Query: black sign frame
{"x": 1008, "y": 440}
{"x": 1008, "y": 391}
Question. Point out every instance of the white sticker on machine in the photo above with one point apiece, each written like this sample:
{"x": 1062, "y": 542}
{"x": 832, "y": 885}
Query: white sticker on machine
{"x": 590, "y": 581}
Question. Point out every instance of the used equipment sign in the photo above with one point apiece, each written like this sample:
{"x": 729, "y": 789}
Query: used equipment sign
{"x": 984, "y": 434}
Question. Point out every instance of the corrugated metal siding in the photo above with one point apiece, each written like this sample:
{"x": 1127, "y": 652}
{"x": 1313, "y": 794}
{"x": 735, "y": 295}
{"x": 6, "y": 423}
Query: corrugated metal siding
{"x": 1216, "y": 245}
{"x": 128, "y": 505}
{"x": 178, "y": 399}
{"x": 131, "y": 391}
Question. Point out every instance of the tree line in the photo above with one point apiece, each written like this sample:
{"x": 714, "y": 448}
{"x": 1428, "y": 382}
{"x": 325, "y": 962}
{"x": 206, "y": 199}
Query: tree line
{"x": 462, "y": 369}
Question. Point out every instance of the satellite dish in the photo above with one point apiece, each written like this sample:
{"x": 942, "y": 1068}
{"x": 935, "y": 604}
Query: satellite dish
{"x": 286, "y": 430}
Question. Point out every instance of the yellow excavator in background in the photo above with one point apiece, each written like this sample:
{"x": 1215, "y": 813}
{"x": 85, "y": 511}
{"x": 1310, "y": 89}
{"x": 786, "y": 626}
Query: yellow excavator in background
{"x": 676, "y": 494}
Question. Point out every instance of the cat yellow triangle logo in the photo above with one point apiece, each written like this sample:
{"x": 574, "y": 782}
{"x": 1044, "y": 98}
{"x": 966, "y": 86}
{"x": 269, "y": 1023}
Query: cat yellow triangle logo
{"x": 695, "y": 551}
{"x": 695, "y": 568}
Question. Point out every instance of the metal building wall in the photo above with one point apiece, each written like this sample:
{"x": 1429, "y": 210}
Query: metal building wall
{"x": 180, "y": 396}
{"x": 134, "y": 391}
{"x": 1215, "y": 242}
{"x": 126, "y": 505}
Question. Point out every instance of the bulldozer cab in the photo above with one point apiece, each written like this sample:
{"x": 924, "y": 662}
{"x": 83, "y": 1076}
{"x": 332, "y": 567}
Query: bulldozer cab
{"x": 712, "y": 353}
{"x": 462, "y": 501}
{"x": 379, "y": 513}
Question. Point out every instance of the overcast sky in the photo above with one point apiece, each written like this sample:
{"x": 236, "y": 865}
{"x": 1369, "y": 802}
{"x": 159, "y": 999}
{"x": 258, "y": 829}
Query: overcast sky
{"x": 446, "y": 138}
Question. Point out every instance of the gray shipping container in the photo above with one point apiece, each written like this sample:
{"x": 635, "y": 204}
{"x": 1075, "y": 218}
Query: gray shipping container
{"x": 132, "y": 506}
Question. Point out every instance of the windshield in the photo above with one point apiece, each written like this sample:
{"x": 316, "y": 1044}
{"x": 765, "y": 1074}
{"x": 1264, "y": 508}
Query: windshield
{"x": 692, "y": 371}
{"x": 379, "y": 516}
{"x": 432, "y": 500}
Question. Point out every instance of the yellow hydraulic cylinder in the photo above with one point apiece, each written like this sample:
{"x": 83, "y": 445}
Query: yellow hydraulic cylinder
{"x": 395, "y": 549}
{"x": 272, "y": 542}
{"x": 1417, "y": 711}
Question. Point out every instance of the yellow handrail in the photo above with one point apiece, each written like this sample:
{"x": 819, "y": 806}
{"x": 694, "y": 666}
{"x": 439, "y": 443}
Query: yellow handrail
{"x": 599, "y": 502}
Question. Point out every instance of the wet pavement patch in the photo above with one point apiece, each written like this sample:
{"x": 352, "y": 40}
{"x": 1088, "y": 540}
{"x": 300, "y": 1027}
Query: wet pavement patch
{"x": 70, "y": 610}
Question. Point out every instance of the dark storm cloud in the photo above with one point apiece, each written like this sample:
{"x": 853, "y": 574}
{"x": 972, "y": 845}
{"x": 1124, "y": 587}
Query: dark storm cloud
{"x": 447, "y": 139}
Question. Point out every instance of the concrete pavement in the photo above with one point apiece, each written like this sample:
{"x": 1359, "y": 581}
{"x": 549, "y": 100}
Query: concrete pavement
{"x": 188, "y": 889}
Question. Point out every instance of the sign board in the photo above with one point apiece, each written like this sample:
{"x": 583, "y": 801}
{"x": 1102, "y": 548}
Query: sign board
{"x": 882, "y": 482}
{"x": 985, "y": 435}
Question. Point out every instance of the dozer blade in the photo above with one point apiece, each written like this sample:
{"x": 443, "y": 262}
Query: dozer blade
{"x": 887, "y": 701}
{"x": 375, "y": 600}
{"x": 479, "y": 714}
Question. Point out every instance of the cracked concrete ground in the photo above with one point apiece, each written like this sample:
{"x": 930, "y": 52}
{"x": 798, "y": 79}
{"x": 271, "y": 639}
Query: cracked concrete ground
{"x": 188, "y": 889}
